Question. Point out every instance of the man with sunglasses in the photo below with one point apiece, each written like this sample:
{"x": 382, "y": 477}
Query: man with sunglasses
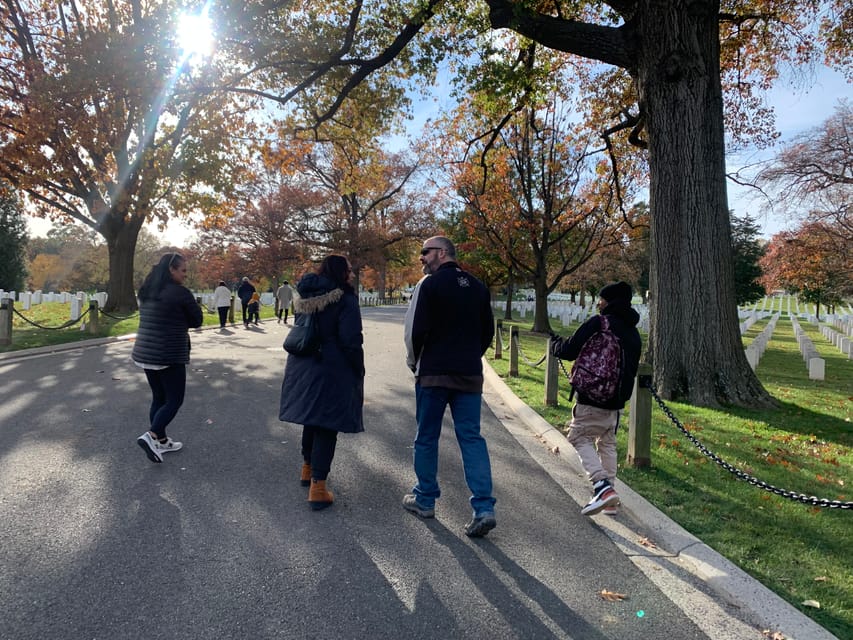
{"x": 449, "y": 326}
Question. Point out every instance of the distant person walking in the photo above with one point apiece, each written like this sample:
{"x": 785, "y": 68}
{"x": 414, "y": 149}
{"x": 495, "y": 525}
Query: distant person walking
{"x": 167, "y": 309}
{"x": 324, "y": 391}
{"x": 244, "y": 292}
{"x": 449, "y": 326}
{"x": 222, "y": 302}
{"x": 284, "y": 298}
{"x": 254, "y": 308}
{"x": 592, "y": 431}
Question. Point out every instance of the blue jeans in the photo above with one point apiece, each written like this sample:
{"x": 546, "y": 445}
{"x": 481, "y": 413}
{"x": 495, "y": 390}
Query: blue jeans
{"x": 465, "y": 409}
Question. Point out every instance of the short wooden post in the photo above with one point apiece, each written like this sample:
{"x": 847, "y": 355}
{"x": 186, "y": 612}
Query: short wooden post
{"x": 94, "y": 320}
{"x": 640, "y": 421}
{"x": 551, "y": 372}
{"x": 6, "y": 308}
{"x": 231, "y": 311}
{"x": 513, "y": 352}
{"x": 498, "y": 328}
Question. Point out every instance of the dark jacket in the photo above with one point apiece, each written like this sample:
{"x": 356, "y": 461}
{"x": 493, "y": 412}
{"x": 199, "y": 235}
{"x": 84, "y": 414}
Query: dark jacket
{"x": 327, "y": 389}
{"x": 623, "y": 322}
{"x": 452, "y": 324}
{"x": 162, "y": 336}
{"x": 244, "y": 292}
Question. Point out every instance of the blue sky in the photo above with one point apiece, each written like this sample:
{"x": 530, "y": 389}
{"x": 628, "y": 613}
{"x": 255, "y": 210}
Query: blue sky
{"x": 797, "y": 110}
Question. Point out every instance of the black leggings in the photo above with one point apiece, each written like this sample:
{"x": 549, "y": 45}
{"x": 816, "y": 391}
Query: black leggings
{"x": 167, "y": 395}
{"x": 318, "y": 449}
{"x": 223, "y": 315}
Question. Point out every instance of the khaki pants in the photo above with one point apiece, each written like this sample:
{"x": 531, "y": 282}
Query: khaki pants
{"x": 592, "y": 432}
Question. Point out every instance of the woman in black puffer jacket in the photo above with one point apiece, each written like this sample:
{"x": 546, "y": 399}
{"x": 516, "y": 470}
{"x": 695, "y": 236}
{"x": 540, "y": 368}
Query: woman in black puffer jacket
{"x": 167, "y": 309}
{"x": 324, "y": 392}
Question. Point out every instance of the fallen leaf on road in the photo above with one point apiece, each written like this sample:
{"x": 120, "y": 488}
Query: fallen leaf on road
{"x": 814, "y": 604}
{"x": 555, "y": 451}
{"x": 647, "y": 543}
{"x": 209, "y": 421}
{"x": 612, "y": 596}
{"x": 773, "y": 635}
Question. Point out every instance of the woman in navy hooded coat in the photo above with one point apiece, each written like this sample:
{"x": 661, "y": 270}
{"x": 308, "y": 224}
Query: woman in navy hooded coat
{"x": 324, "y": 392}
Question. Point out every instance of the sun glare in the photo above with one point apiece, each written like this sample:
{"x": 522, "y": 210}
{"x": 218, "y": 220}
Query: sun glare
{"x": 195, "y": 35}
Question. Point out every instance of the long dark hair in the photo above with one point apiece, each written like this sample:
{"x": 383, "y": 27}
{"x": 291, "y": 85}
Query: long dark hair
{"x": 336, "y": 268}
{"x": 160, "y": 276}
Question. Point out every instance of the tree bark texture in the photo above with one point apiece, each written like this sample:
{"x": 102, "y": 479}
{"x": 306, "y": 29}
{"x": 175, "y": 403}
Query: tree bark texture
{"x": 121, "y": 232}
{"x": 694, "y": 342}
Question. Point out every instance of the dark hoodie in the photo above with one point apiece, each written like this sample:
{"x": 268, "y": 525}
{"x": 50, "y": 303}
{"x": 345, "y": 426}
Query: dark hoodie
{"x": 623, "y": 322}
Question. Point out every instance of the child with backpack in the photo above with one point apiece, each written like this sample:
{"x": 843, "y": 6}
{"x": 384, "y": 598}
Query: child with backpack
{"x": 606, "y": 350}
{"x": 253, "y": 310}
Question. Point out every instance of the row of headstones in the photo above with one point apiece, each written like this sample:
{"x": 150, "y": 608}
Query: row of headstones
{"x": 78, "y": 301}
{"x": 816, "y": 364}
{"x": 758, "y": 346}
{"x": 569, "y": 313}
{"x": 772, "y": 305}
{"x": 842, "y": 339}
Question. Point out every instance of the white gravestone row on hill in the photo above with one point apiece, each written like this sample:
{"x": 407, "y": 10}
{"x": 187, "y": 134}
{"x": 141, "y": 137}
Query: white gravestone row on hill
{"x": 757, "y": 347}
{"x": 815, "y": 363}
{"x": 839, "y": 331}
{"x": 78, "y": 301}
{"x": 569, "y": 313}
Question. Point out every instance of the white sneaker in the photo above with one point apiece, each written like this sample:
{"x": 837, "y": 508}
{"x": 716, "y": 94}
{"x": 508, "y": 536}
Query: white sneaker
{"x": 169, "y": 445}
{"x": 150, "y": 447}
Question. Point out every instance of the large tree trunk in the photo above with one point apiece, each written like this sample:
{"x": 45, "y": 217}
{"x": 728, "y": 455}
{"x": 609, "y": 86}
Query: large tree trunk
{"x": 694, "y": 342}
{"x": 510, "y": 292}
{"x": 541, "y": 322}
{"x": 121, "y": 231}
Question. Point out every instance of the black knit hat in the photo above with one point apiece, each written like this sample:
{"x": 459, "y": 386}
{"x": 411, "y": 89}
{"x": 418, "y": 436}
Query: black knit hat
{"x": 616, "y": 291}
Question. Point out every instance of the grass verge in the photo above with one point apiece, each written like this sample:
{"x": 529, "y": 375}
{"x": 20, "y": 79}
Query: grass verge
{"x": 806, "y": 445}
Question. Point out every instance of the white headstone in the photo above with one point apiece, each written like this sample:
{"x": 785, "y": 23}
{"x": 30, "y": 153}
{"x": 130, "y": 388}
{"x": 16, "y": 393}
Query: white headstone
{"x": 816, "y": 368}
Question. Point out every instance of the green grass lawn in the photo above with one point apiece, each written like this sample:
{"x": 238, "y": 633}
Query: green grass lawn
{"x": 801, "y": 552}
{"x": 56, "y": 314}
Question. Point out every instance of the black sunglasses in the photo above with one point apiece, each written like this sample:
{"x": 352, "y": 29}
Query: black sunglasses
{"x": 426, "y": 250}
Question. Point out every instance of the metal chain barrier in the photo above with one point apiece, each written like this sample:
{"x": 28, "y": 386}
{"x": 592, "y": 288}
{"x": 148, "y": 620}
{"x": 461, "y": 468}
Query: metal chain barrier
{"x": 527, "y": 361}
{"x": 504, "y": 345}
{"x": 741, "y": 475}
{"x": 65, "y": 325}
{"x": 119, "y": 318}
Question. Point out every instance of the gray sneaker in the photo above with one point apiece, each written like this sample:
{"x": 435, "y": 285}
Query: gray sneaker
{"x": 480, "y": 525}
{"x": 410, "y": 503}
{"x": 169, "y": 445}
{"x": 149, "y": 446}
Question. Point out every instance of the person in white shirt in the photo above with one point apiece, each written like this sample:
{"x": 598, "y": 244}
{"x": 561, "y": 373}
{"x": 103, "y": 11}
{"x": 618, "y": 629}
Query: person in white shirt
{"x": 222, "y": 302}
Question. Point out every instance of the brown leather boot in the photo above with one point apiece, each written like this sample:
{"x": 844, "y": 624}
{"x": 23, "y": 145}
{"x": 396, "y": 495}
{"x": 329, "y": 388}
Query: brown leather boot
{"x": 305, "y": 478}
{"x": 318, "y": 496}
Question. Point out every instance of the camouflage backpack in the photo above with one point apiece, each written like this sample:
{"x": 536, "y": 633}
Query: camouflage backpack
{"x": 597, "y": 371}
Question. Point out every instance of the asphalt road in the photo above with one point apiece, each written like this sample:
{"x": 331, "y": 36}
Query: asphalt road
{"x": 218, "y": 542}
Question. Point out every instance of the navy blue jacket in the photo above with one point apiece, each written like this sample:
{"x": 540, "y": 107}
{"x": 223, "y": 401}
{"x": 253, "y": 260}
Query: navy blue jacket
{"x": 453, "y": 324}
{"x": 162, "y": 336}
{"x": 623, "y": 322}
{"x": 326, "y": 389}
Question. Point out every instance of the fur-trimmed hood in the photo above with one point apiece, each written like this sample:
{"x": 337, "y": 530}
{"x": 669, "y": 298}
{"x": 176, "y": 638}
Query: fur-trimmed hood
{"x": 315, "y": 293}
